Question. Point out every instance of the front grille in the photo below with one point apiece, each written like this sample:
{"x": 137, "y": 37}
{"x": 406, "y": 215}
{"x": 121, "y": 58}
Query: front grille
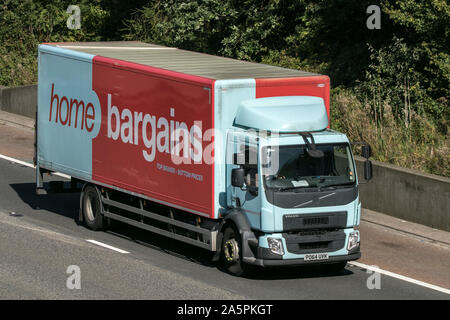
{"x": 313, "y": 245}
{"x": 322, "y": 220}
{"x": 311, "y": 232}
{"x": 314, "y": 241}
{"x": 315, "y": 221}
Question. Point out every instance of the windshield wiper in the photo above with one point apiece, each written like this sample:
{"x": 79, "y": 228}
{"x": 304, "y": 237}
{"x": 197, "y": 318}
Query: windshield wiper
{"x": 305, "y": 189}
{"x": 316, "y": 187}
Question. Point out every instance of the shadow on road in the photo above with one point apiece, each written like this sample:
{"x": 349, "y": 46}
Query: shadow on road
{"x": 67, "y": 205}
{"x": 287, "y": 273}
{"x": 64, "y": 204}
{"x": 203, "y": 257}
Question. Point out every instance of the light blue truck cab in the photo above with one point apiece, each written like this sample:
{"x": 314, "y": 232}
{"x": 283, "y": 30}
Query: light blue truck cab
{"x": 295, "y": 182}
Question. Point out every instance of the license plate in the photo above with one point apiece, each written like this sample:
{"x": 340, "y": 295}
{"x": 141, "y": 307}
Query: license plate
{"x": 316, "y": 256}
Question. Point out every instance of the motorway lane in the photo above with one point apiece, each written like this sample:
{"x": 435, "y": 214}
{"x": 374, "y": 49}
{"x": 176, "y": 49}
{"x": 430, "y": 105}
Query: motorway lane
{"x": 405, "y": 254}
{"x": 37, "y": 247}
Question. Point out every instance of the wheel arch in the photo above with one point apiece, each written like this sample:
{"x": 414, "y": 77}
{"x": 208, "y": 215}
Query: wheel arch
{"x": 237, "y": 218}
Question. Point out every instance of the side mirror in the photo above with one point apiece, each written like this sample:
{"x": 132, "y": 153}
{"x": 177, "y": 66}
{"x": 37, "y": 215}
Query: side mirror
{"x": 237, "y": 177}
{"x": 366, "y": 151}
{"x": 367, "y": 170}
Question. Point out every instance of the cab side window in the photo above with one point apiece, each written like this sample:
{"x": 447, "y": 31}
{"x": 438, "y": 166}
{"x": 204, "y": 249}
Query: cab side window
{"x": 251, "y": 169}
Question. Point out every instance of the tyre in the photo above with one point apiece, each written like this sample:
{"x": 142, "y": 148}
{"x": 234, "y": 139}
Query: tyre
{"x": 91, "y": 208}
{"x": 232, "y": 252}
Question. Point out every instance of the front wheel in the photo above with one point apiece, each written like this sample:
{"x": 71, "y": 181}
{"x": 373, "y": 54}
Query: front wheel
{"x": 232, "y": 252}
{"x": 91, "y": 208}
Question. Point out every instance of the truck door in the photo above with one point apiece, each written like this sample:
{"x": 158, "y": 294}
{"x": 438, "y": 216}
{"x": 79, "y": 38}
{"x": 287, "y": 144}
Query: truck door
{"x": 244, "y": 150}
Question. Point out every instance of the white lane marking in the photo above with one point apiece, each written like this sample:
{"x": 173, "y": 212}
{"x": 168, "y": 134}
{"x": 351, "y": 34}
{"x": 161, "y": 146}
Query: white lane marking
{"x": 101, "y": 244}
{"x": 5, "y": 218}
{"x": 30, "y": 165}
{"x": 398, "y": 276}
{"x": 17, "y": 161}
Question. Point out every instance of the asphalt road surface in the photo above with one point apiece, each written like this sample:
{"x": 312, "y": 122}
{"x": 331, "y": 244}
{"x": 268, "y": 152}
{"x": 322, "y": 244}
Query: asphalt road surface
{"x": 40, "y": 240}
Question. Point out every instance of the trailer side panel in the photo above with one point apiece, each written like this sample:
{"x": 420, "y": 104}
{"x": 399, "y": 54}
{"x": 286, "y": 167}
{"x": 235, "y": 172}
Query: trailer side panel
{"x": 154, "y": 138}
{"x": 142, "y": 130}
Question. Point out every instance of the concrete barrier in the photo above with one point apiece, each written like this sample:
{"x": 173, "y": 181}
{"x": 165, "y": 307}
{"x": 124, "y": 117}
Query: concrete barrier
{"x": 19, "y": 100}
{"x": 1, "y": 95}
{"x": 407, "y": 194}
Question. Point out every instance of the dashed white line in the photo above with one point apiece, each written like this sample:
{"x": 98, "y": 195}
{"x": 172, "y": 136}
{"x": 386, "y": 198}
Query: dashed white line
{"x": 399, "y": 276}
{"x": 30, "y": 165}
{"x": 101, "y": 244}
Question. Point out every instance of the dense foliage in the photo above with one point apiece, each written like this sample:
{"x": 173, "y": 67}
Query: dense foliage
{"x": 391, "y": 86}
{"x": 26, "y": 23}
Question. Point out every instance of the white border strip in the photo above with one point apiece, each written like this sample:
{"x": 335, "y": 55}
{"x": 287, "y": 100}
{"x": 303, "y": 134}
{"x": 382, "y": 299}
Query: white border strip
{"x": 30, "y": 165}
{"x": 398, "y": 276}
{"x": 101, "y": 244}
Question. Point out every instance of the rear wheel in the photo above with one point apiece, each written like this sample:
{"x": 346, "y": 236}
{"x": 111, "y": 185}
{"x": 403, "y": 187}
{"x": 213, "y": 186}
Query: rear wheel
{"x": 232, "y": 252}
{"x": 91, "y": 208}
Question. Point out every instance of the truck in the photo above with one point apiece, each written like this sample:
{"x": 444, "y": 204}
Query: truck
{"x": 231, "y": 156}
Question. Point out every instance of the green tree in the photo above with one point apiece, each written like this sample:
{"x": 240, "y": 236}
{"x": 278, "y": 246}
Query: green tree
{"x": 26, "y": 23}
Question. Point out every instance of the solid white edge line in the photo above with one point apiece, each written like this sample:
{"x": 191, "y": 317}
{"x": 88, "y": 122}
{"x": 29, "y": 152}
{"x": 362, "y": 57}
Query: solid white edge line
{"x": 17, "y": 161}
{"x": 101, "y": 244}
{"x": 398, "y": 276}
{"x": 30, "y": 165}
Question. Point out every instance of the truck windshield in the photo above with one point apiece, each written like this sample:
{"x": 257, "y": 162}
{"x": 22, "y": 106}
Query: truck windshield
{"x": 297, "y": 170}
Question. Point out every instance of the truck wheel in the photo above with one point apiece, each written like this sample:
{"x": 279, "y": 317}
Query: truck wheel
{"x": 232, "y": 252}
{"x": 91, "y": 207}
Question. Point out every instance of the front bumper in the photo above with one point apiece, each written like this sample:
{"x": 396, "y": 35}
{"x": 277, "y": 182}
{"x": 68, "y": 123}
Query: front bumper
{"x": 301, "y": 262}
{"x": 295, "y": 246}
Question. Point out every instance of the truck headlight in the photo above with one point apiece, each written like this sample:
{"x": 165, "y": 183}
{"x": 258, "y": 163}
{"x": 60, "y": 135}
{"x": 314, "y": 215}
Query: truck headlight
{"x": 353, "y": 240}
{"x": 276, "y": 245}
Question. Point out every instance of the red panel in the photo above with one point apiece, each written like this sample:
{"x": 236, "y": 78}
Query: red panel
{"x": 128, "y": 158}
{"x": 316, "y": 86}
